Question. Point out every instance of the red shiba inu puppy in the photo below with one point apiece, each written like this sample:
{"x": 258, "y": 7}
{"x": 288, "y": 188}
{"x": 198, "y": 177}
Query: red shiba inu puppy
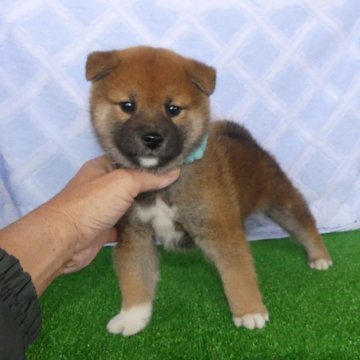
{"x": 150, "y": 110}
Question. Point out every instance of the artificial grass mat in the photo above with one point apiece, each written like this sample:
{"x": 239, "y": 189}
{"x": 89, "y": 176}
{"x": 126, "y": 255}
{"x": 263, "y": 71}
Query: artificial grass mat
{"x": 313, "y": 315}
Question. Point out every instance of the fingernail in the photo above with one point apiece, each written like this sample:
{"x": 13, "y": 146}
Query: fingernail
{"x": 173, "y": 173}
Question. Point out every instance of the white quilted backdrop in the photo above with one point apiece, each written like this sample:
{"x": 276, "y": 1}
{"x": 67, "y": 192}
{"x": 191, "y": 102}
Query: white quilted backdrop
{"x": 288, "y": 69}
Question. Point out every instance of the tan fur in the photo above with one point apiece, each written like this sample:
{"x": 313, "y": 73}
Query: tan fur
{"x": 213, "y": 196}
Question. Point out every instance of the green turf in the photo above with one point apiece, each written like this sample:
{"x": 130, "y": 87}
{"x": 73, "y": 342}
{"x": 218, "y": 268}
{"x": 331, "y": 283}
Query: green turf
{"x": 314, "y": 315}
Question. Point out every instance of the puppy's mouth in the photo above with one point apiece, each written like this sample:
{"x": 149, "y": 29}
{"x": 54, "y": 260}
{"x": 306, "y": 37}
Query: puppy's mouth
{"x": 148, "y": 162}
{"x": 140, "y": 160}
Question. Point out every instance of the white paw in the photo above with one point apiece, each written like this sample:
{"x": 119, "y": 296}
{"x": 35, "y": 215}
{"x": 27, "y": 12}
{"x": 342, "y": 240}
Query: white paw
{"x": 320, "y": 264}
{"x": 131, "y": 321}
{"x": 251, "y": 321}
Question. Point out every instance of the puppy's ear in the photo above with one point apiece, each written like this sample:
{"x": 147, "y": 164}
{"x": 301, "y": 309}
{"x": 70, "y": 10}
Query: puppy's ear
{"x": 201, "y": 75}
{"x": 100, "y": 63}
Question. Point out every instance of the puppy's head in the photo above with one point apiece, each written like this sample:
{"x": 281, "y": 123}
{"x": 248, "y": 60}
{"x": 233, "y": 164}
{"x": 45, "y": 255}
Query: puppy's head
{"x": 149, "y": 106}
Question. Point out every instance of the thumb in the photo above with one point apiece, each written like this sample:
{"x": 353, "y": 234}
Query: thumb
{"x": 146, "y": 181}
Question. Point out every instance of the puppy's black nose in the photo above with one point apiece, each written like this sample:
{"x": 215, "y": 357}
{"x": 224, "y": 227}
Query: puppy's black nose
{"x": 152, "y": 140}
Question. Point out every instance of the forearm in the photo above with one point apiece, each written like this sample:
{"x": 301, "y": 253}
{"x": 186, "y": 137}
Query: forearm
{"x": 39, "y": 242}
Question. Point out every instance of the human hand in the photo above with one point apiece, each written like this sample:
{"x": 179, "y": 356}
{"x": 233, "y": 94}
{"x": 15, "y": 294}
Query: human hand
{"x": 94, "y": 201}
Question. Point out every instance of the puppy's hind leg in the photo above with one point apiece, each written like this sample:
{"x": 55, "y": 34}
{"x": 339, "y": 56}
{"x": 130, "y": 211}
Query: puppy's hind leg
{"x": 289, "y": 209}
{"x": 137, "y": 265}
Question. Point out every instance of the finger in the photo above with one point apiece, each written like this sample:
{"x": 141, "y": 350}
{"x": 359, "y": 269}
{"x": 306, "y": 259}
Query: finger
{"x": 106, "y": 237}
{"x": 85, "y": 256}
{"x": 82, "y": 259}
{"x": 145, "y": 181}
{"x": 92, "y": 170}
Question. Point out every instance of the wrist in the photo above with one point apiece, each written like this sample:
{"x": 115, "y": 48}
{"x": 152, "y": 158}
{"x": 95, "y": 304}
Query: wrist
{"x": 40, "y": 242}
{"x": 62, "y": 229}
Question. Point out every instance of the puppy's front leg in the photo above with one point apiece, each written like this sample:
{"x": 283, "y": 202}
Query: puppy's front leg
{"x": 228, "y": 248}
{"x": 137, "y": 264}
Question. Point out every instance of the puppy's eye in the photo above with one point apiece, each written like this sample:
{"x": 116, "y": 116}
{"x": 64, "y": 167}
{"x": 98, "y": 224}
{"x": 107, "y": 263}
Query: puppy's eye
{"x": 173, "y": 110}
{"x": 128, "y": 107}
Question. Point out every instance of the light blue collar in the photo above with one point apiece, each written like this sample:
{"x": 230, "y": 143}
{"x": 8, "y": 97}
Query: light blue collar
{"x": 198, "y": 153}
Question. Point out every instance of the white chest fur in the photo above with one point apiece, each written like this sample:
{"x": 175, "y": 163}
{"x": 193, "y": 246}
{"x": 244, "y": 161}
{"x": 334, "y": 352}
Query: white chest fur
{"x": 162, "y": 217}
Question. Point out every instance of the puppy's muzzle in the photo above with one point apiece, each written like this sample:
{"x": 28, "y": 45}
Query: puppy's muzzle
{"x": 149, "y": 141}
